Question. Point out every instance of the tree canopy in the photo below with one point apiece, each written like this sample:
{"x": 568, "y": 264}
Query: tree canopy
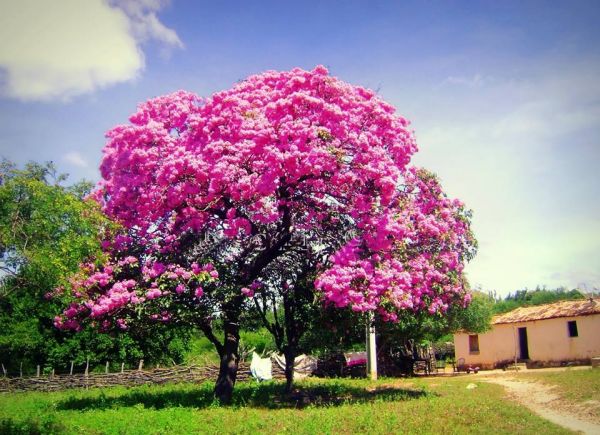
{"x": 46, "y": 230}
{"x": 286, "y": 176}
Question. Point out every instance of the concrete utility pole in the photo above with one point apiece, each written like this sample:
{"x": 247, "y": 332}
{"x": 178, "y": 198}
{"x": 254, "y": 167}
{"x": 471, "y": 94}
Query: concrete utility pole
{"x": 371, "y": 348}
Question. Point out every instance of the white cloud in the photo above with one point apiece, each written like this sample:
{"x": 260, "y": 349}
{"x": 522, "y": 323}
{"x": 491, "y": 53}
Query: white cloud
{"x": 59, "y": 49}
{"x": 144, "y": 22}
{"x": 76, "y": 159}
{"x": 475, "y": 81}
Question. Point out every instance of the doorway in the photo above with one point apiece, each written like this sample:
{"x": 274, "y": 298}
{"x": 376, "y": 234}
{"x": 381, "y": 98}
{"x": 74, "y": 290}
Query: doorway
{"x": 524, "y": 348}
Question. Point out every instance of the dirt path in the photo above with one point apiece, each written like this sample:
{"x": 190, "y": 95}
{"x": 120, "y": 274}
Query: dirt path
{"x": 542, "y": 400}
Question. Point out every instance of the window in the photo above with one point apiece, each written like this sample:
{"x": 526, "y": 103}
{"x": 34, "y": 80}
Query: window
{"x": 473, "y": 343}
{"x": 572, "y": 324}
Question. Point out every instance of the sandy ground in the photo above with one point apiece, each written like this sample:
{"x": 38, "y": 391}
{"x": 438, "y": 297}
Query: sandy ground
{"x": 543, "y": 400}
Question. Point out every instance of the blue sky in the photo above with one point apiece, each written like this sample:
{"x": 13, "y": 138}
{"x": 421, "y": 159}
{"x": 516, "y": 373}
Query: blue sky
{"x": 504, "y": 97}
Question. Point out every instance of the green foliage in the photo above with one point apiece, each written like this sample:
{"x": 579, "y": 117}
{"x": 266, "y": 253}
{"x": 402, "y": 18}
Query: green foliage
{"x": 475, "y": 318}
{"x": 46, "y": 231}
{"x": 334, "y": 330}
{"x": 259, "y": 340}
{"x": 539, "y": 296}
{"x": 202, "y": 351}
{"x": 344, "y": 330}
{"x": 45, "y": 228}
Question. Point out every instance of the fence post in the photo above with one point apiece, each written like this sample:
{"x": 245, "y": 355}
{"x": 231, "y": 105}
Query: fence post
{"x": 71, "y": 370}
{"x": 122, "y": 367}
{"x": 52, "y": 375}
{"x": 87, "y": 371}
{"x": 141, "y": 365}
{"x": 106, "y": 368}
{"x": 37, "y": 373}
{"x": 21, "y": 369}
{"x": 3, "y": 370}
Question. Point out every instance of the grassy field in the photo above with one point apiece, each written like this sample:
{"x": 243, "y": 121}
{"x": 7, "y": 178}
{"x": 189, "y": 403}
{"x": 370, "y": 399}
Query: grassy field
{"x": 442, "y": 405}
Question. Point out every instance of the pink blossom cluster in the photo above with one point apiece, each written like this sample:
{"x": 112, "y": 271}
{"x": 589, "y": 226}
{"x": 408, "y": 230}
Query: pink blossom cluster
{"x": 188, "y": 163}
{"x": 409, "y": 256}
{"x": 295, "y": 146}
{"x": 107, "y": 294}
{"x": 250, "y": 290}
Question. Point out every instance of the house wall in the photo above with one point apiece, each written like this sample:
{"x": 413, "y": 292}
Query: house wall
{"x": 548, "y": 340}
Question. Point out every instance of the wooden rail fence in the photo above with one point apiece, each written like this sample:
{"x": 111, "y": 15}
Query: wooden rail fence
{"x": 129, "y": 378}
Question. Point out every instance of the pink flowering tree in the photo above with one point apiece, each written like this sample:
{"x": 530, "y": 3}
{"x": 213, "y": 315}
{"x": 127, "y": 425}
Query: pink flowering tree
{"x": 406, "y": 262}
{"x": 408, "y": 256}
{"x": 290, "y": 180}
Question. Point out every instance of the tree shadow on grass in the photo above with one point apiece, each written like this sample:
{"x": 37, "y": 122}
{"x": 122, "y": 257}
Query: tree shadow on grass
{"x": 268, "y": 395}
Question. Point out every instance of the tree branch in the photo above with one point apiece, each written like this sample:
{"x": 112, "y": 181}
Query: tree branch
{"x": 208, "y": 333}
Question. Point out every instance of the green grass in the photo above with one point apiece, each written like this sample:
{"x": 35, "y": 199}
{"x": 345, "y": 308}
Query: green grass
{"x": 318, "y": 406}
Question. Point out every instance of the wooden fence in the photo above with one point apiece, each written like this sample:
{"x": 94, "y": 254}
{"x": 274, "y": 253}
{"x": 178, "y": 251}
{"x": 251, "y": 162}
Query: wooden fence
{"x": 129, "y": 378}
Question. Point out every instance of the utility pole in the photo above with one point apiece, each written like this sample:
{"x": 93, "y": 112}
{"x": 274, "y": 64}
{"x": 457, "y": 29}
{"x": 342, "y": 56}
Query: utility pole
{"x": 371, "y": 348}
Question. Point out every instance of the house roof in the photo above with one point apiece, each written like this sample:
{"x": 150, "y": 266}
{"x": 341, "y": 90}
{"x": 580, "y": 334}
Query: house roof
{"x": 580, "y": 307}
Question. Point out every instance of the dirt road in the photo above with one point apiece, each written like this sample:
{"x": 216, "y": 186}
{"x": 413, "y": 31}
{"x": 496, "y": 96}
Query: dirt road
{"x": 542, "y": 400}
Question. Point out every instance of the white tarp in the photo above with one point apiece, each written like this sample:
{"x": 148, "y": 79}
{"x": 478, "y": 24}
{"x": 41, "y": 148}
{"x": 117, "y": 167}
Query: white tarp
{"x": 304, "y": 365}
{"x": 260, "y": 367}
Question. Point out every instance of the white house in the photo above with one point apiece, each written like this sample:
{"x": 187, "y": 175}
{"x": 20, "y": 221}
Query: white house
{"x": 543, "y": 335}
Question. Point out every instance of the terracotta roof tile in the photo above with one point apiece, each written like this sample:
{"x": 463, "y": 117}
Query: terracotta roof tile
{"x": 580, "y": 307}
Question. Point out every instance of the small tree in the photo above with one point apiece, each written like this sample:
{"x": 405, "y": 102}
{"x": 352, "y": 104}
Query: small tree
{"x": 47, "y": 229}
{"x": 286, "y": 168}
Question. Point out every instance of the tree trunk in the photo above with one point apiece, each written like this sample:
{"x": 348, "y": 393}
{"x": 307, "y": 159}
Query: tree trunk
{"x": 290, "y": 359}
{"x": 229, "y": 362}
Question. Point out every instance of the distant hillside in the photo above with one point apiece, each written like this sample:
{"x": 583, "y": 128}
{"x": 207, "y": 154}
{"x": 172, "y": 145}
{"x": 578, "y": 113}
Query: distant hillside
{"x": 539, "y": 296}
